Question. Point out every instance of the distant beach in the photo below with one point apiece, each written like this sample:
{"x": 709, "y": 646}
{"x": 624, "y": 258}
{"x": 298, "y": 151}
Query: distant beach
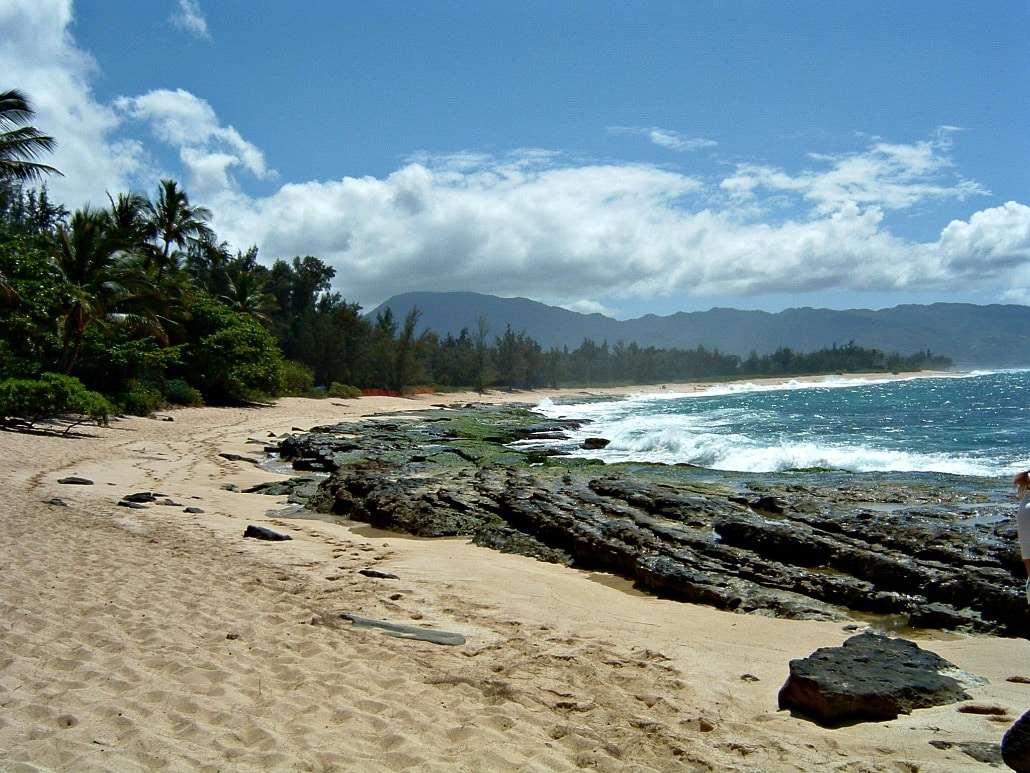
{"x": 158, "y": 637}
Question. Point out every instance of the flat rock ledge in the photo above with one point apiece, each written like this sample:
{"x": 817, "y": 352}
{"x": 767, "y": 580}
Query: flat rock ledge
{"x": 871, "y": 678}
{"x": 922, "y": 550}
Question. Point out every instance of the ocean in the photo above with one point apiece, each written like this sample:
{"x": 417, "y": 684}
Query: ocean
{"x": 973, "y": 425}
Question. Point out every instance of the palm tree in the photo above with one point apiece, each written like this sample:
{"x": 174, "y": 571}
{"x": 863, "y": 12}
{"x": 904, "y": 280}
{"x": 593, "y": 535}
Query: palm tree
{"x": 246, "y": 290}
{"x": 131, "y": 216}
{"x": 176, "y": 222}
{"x": 107, "y": 284}
{"x": 21, "y": 145}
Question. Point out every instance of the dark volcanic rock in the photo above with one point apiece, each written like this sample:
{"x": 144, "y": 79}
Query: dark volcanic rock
{"x": 929, "y": 550}
{"x": 1015, "y": 745}
{"x": 261, "y": 532}
{"x": 141, "y": 497}
{"x": 870, "y": 678}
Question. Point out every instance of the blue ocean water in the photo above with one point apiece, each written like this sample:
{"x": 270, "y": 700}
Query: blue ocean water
{"x": 975, "y": 424}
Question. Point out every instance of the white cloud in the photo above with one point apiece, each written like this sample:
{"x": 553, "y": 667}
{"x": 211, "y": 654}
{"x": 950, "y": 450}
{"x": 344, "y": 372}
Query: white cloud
{"x": 40, "y": 57}
{"x": 890, "y": 176}
{"x": 671, "y": 140}
{"x": 190, "y": 18}
{"x": 529, "y": 225}
{"x": 207, "y": 149}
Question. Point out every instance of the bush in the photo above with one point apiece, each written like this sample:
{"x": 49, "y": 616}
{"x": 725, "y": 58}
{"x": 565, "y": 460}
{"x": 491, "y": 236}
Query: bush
{"x": 298, "y": 380}
{"x": 230, "y": 358}
{"x": 178, "y": 392}
{"x": 51, "y": 395}
{"x": 336, "y": 389}
{"x": 141, "y": 399}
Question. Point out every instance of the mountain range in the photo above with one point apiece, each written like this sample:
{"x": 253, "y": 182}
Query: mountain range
{"x": 974, "y": 336}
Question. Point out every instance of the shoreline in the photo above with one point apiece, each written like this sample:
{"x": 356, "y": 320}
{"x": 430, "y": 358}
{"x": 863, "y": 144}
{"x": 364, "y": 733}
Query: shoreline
{"x": 160, "y": 638}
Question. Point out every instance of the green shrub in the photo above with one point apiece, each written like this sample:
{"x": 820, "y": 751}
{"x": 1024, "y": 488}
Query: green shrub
{"x": 178, "y": 392}
{"x": 141, "y": 399}
{"x": 51, "y": 395}
{"x": 298, "y": 380}
{"x": 336, "y": 389}
{"x": 230, "y": 358}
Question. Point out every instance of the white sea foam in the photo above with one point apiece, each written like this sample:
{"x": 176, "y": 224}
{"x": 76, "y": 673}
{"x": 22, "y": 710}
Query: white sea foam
{"x": 887, "y": 425}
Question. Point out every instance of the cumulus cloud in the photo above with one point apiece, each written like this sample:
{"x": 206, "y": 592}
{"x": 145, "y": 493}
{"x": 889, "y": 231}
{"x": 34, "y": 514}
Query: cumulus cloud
{"x": 40, "y": 57}
{"x": 207, "y": 149}
{"x": 534, "y": 225}
{"x": 671, "y": 140}
{"x": 189, "y": 18}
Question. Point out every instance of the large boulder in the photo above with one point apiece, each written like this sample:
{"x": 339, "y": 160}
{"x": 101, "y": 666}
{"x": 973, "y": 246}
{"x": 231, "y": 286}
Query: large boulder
{"x": 1015, "y": 746}
{"x": 871, "y": 678}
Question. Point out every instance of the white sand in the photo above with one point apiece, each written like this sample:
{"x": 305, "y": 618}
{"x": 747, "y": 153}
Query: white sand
{"x": 159, "y": 640}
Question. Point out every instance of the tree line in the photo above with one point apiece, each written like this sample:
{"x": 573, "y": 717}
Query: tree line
{"x": 139, "y": 301}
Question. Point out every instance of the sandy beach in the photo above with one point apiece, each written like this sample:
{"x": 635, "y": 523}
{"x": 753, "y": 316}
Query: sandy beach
{"x": 159, "y": 639}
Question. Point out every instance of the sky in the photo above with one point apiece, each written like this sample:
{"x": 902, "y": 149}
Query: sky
{"x": 619, "y": 156}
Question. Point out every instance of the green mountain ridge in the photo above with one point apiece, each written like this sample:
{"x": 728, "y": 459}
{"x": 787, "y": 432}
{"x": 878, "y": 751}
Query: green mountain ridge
{"x": 974, "y": 336}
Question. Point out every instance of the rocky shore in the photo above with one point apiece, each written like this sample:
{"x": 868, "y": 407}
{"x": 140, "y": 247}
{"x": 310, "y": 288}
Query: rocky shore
{"x": 922, "y": 551}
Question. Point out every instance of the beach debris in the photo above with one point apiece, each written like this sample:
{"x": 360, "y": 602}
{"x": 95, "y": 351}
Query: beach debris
{"x": 1015, "y": 745}
{"x": 378, "y": 573}
{"x": 75, "y": 480}
{"x": 402, "y": 631}
{"x": 870, "y": 678}
{"x": 262, "y": 532}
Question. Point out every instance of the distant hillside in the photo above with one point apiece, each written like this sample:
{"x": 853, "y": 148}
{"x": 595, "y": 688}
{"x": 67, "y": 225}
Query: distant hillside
{"x": 994, "y": 336}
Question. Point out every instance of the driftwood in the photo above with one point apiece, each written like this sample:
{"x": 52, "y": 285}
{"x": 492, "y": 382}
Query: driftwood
{"x": 407, "y": 631}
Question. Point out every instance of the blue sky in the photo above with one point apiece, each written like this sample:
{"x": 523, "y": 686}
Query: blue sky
{"x": 627, "y": 157}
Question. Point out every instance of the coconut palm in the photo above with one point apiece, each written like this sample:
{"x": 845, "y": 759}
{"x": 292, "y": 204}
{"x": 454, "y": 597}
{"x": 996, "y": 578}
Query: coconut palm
{"x": 246, "y": 290}
{"x": 174, "y": 221}
{"x": 21, "y": 145}
{"x": 107, "y": 285}
{"x": 131, "y": 218}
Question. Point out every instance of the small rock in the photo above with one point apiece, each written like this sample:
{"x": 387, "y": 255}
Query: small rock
{"x": 377, "y": 573}
{"x": 142, "y": 496}
{"x": 260, "y": 532}
{"x": 56, "y": 502}
{"x": 192, "y": 510}
{"x": 989, "y": 753}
